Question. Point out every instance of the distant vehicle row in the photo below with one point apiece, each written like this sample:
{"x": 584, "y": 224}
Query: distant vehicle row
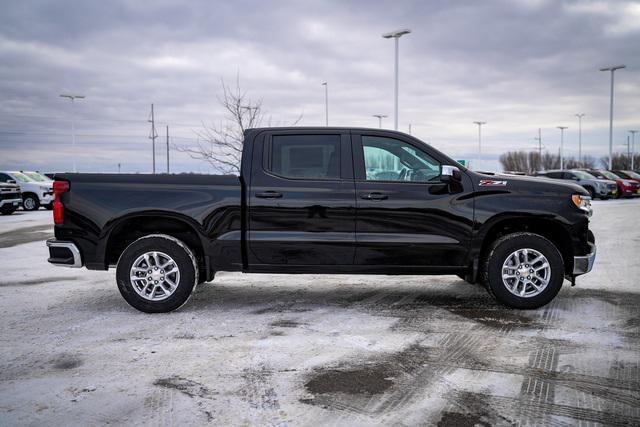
{"x": 601, "y": 184}
{"x": 31, "y": 190}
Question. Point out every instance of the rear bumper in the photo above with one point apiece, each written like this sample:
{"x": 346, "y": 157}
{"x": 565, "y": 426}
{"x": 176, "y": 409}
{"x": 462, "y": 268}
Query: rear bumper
{"x": 584, "y": 263}
{"x": 64, "y": 254}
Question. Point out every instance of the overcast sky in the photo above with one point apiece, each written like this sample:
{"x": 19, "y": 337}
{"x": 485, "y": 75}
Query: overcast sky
{"x": 518, "y": 65}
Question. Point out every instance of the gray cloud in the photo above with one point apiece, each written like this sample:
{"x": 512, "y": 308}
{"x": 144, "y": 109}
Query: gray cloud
{"x": 518, "y": 65}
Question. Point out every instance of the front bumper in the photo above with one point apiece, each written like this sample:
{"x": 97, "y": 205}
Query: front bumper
{"x": 584, "y": 263}
{"x": 64, "y": 254}
{"x": 46, "y": 198}
{"x": 11, "y": 202}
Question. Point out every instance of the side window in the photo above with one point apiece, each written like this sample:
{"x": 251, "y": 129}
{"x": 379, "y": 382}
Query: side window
{"x": 4, "y": 177}
{"x": 306, "y": 156}
{"x": 555, "y": 175}
{"x": 569, "y": 175}
{"x": 388, "y": 159}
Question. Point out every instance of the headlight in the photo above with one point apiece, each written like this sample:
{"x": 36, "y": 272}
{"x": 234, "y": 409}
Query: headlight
{"x": 582, "y": 202}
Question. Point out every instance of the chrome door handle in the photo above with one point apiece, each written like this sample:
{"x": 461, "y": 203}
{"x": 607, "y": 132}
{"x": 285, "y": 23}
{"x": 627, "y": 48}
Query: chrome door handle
{"x": 269, "y": 195}
{"x": 374, "y": 196}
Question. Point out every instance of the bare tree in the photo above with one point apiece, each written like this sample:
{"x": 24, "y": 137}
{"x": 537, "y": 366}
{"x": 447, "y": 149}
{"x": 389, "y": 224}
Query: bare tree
{"x": 529, "y": 162}
{"x": 221, "y": 145}
{"x": 621, "y": 161}
{"x": 550, "y": 161}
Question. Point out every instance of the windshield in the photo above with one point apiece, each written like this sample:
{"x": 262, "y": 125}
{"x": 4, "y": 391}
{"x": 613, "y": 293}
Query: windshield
{"x": 20, "y": 177}
{"x": 583, "y": 175}
{"x": 632, "y": 174}
{"x": 37, "y": 177}
{"x": 610, "y": 175}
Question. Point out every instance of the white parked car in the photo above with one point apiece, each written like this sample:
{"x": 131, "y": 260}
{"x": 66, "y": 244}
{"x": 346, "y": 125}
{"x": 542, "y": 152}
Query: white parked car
{"x": 34, "y": 193}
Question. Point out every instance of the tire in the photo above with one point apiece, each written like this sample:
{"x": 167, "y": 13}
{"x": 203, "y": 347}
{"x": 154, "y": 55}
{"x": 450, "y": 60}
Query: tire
{"x": 30, "y": 202}
{"x": 160, "y": 295}
{"x": 7, "y": 210}
{"x": 49, "y": 207}
{"x": 501, "y": 253}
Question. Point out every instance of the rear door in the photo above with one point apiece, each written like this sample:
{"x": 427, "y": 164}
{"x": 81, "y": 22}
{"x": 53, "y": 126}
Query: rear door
{"x": 406, "y": 216}
{"x": 301, "y": 200}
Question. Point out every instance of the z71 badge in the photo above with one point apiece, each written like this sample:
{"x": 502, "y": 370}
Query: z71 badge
{"x": 492, "y": 183}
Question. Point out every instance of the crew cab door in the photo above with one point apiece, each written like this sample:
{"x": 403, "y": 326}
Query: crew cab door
{"x": 301, "y": 200}
{"x": 406, "y": 217}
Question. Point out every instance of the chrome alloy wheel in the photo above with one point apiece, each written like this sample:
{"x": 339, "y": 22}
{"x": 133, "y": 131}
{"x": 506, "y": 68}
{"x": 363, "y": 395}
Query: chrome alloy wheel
{"x": 29, "y": 204}
{"x": 526, "y": 273}
{"x": 155, "y": 276}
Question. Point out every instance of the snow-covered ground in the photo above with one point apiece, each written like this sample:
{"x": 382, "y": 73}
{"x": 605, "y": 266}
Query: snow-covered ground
{"x": 312, "y": 349}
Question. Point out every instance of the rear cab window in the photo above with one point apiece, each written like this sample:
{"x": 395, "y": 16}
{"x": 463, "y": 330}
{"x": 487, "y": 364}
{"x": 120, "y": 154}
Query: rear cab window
{"x": 304, "y": 156}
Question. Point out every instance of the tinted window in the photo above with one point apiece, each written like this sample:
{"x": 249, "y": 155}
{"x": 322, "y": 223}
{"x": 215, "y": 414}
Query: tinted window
{"x": 388, "y": 159}
{"x": 556, "y": 175}
{"x": 583, "y": 175}
{"x": 4, "y": 177}
{"x": 306, "y": 156}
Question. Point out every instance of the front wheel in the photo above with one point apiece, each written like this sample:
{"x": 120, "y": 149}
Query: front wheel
{"x": 7, "y": 210}
{"x": 30, "y": 202}
{"x": 157, "y": 273}
{"x": 523, "y": 270}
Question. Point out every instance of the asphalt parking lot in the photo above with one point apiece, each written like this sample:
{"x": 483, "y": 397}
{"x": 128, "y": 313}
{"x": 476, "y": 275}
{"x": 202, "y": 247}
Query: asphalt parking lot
{"x": 310, "y": 349}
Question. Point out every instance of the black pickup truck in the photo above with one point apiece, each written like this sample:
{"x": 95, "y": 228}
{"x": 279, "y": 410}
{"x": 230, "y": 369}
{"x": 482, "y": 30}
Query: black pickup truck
{"x": 325, "y": 200}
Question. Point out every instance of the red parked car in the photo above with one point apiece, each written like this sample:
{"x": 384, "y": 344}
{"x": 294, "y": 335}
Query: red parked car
{"x": 626, "y": 187}
{"x": 628, "y": 174}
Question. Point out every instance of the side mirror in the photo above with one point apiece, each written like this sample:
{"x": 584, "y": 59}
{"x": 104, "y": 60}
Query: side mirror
{"x": 11, "y": 181}
{"x": 450, "y": 174}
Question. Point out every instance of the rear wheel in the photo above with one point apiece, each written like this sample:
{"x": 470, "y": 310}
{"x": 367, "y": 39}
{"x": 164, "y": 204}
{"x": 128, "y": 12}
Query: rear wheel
{"x": 523, "y": 270}
{"x": 157, "y": 273}
{"x": 30, "y": 202}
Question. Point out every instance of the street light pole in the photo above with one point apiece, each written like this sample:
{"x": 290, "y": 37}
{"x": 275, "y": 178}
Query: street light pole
{"x": 396, "y": 35}
{"x": 73, "y": 124}
{"x": 580, "y": 116}
{"x": 380, "y": 117}
{"x": 479, "y": 141}
{"x": 633, "y": 146}
{"x": 612, "y": 69}
{"x": 562, "y": 128}
{"x": 326, "y": 103}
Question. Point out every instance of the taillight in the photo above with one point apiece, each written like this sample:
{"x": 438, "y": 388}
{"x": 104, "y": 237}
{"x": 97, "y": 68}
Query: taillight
{"x": 59, "y": 187}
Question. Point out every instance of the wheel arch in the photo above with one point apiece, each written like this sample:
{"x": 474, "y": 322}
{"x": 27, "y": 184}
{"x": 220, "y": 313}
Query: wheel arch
{"x": 548, "y": 227}
{"x": 126, "y": 230}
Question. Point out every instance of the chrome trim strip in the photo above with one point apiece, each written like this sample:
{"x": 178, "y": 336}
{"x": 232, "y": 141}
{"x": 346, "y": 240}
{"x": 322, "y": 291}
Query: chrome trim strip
{"x": 583, "y": 264}
{"x": 77, "y": 259}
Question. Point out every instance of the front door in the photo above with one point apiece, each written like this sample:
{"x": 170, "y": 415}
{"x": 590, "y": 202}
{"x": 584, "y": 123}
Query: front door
{"x": 406, "y": 215}
{"x": 301, "y": 200}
